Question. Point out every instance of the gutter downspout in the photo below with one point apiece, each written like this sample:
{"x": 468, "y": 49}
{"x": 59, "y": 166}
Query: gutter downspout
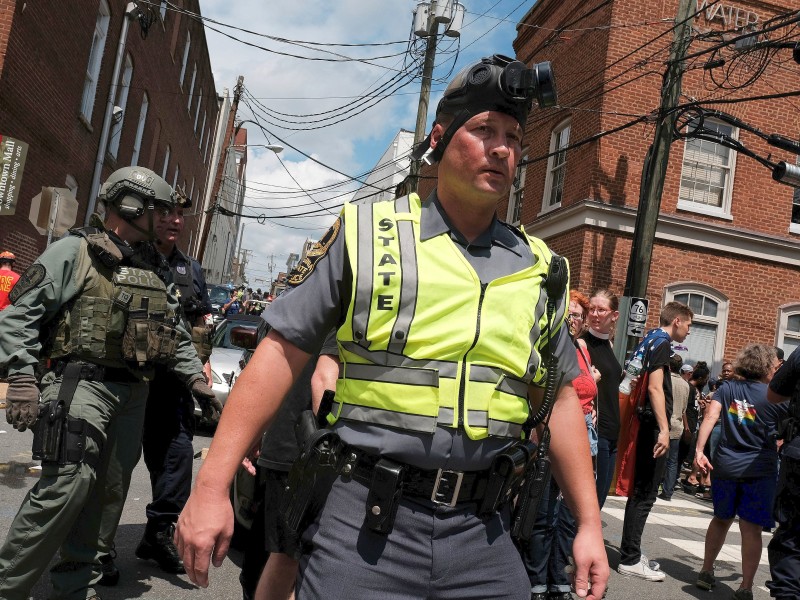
{"x": 131, "y": 10}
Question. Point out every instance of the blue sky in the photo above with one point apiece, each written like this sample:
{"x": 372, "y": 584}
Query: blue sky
{"x": 280, "y": 87}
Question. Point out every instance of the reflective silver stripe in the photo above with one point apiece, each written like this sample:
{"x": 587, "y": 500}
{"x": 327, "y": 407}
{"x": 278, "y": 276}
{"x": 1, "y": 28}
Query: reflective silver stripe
{"x": 446, "y": 416}
{"x": 384, "y": 374}
{"x": 484, "y": 374}
{"x": 478, "y": 418}
{"x": 503, "y": 429}
{"x": 535, "y": 335}
{"x": 381, "y": 357}
{"x": 408, "y": 282}
{"x": 364, "y": 275}
{"x": 388, "y": 418}
{"x": 513, "y": 386}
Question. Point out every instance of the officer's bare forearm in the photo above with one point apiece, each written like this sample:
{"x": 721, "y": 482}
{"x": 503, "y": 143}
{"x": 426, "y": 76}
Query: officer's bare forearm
{"x": 571, "y": 459}
{"x": 252, "y": 404}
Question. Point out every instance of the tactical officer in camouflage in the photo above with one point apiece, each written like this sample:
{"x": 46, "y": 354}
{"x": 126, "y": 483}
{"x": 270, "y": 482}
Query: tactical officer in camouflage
{"x": 99, "y": 306}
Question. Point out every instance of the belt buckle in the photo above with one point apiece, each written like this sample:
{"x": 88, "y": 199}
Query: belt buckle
{"x": 452, "y": 484}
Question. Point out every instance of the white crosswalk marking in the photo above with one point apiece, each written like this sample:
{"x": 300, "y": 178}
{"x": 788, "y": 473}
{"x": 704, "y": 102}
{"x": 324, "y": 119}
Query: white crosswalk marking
{"x": 669, "y": 520}
{"x": 731, "y": 553}
{"x": 678, "y": 518}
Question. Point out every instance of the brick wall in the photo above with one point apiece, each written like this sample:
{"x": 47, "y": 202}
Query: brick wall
{"x": 41, "y": 85}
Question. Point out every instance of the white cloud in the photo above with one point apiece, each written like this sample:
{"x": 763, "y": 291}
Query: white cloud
{"x": 296, "y": 86}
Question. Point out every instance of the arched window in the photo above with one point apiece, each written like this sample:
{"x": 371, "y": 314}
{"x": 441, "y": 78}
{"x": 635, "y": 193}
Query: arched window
{"x": 788, "y": 334}
{"x": 706, "y": 339}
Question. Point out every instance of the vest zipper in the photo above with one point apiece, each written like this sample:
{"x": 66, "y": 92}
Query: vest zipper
{"x": 463, "y": 384}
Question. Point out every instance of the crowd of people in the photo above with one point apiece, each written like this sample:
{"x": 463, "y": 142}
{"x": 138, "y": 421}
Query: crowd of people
{"x": 434, "y": 416}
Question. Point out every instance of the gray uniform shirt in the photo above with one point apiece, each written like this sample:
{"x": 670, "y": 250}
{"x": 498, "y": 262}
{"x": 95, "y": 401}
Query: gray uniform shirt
{"x": 305, "y": 314}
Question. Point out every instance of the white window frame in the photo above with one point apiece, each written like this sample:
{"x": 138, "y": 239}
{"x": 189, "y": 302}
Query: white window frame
{"x": 191, "y": 89}
{"x": 175, "y": 179}
{"x": 724, "y": 211}
{"x": 137, "y": 143}
{"x": 191, "y": 193}
{"x": 720, "y": 321}
{"x": 166, "y": 162}
{"x": 185, "y": 60}
{"x": 122, "y": 102}
{"x": 197, "y": 111}
{"x": 95, "y": 60}
{"x": 162, "y": 10}
{"x": 205, "y": 152}
{"x": 784, "y": 312}
{"x": 202, "y": 130}
{"x": 559, "y": 138}
{"x": 795, "y": 227}
{"x": 517, "y": 194}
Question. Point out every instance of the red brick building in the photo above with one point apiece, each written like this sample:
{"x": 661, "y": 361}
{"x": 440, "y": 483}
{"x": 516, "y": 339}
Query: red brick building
{"x": 56, "y": 66}
{"x": 728, "y": 236}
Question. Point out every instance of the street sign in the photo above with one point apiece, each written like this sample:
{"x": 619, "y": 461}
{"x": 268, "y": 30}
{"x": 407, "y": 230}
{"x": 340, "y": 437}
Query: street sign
{"x": 637, "y": 317}
{"x": 53, "y": 209}
{"x": 12, "y": 163}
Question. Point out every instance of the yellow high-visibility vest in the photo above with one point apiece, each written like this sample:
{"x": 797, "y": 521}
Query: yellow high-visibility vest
{"x": 424, "y": 342}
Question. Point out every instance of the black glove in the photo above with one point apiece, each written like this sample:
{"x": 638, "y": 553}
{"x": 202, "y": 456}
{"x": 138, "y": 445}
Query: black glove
{"x": 22, "y": 401}
{"x": 211, "y": 407}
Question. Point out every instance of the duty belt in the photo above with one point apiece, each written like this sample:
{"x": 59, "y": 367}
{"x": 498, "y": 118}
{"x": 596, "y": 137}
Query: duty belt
{"x": 441, "y": 486}
{"x": 97, "y": 372}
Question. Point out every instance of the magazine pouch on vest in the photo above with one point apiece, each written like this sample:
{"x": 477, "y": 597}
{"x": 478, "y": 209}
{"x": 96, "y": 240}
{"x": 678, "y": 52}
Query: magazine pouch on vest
{"x": 59, "y": 438}
{"x": 150, "y": 335}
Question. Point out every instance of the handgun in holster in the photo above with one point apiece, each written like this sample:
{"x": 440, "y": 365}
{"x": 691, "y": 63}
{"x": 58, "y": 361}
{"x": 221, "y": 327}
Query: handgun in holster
{"x": 59, "y": 438}
{"x": 310, "y": 479}
{"x": 48, "y": 432}
{"x": 506, "y": 473}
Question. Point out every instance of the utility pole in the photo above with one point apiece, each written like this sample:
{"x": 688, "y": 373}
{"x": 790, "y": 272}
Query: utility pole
{"x": 228, "y": 141}
{"x": 424, "y": 92}
{"x": 654, "y": 173}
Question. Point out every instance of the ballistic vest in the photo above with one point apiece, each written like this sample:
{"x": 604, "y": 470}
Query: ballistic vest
{"x": 120, "y": 316}
{"x": 425, "y": 343}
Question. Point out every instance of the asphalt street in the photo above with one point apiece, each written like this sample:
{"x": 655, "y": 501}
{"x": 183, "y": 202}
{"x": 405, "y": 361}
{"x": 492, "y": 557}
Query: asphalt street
{"x": 674, "y": 537}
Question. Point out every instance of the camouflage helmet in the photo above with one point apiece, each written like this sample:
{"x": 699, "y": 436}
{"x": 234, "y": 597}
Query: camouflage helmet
{"x": 6, "y": 256}
{"x": 139, "y": 182}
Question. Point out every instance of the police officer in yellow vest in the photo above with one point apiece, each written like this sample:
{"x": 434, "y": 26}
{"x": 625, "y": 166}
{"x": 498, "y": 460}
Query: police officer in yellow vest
{"x": 442, "y": 327}
{"x": 98, "y": 306}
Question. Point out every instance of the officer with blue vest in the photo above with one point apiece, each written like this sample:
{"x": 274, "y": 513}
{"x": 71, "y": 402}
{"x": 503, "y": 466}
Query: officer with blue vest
{"x": 443, "y": 324}
{"x": 99, "y": 307}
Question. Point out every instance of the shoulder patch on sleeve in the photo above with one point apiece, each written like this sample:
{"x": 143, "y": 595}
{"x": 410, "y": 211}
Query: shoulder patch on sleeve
{"x": 33, "y": 276}
{"x": 318, "y": 251}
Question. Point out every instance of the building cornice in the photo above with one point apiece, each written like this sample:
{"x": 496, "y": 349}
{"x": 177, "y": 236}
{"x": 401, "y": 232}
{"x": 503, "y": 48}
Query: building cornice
{"x": 671, "y": 228}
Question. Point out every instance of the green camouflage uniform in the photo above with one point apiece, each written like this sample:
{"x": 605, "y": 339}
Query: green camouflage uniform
{"x": 75, "y": 506}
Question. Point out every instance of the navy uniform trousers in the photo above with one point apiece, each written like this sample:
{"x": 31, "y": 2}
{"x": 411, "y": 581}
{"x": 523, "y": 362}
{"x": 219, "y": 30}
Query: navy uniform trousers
{"x": 167, "y": 446}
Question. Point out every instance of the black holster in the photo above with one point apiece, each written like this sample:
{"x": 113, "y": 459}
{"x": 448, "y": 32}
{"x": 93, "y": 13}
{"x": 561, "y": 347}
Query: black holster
{"x": 506, "y": 474}
{"x": 59, "y": 438}
{"x": 310, "y": 479}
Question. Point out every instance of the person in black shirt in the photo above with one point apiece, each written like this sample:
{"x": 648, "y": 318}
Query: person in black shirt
{"x": 603, "y": 315}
